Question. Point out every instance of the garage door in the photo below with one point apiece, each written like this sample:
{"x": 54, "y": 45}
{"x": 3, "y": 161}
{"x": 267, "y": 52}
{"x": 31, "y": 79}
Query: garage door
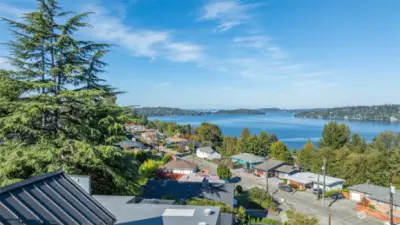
{"x": 355, "y": 196}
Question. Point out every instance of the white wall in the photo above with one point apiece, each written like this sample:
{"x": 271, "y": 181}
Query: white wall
{"x": 201, "y": 154}
{"x": 336, "y": 186}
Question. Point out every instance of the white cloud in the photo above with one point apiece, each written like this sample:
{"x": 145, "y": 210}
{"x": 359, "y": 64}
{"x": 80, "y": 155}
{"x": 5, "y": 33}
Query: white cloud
{"x": 164, "y": 84}
{"x": 184, "y": 52}
{"x": 11, "y": 10}
{"x": 263, "y": 44}
{"x": 227, "y": 14}
{"x": 141, "y": 42}
{"x": 4, "y": 64}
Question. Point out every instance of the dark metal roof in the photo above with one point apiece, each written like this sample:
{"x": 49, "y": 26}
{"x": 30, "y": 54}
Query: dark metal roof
{"x": 172, "y": 189}
{"x": 51, "y": 198}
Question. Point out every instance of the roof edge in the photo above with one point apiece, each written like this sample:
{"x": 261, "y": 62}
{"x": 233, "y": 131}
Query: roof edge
{"x": 28, "y": 181}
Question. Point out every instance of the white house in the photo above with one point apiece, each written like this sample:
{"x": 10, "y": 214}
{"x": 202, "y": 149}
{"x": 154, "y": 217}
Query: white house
{"x": 207, "y": 153}
{"x": 313, "y": 180}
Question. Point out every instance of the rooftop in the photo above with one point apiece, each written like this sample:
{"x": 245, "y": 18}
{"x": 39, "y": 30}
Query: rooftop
{"x": 199, "y": 178}
{"x": 307, "y": 177}
{"x": 286, "y": 169}
{"x": 270, "y": 164}
{"x": 176, "y": 139}
{"x": 159, "y": 214}
{"x": 248, "y": 157}
{"x": 180, "y": 164}
{"x": 176, "y": 190}
{"x": 129, "y": 143}
{"x": 208, "y": 150}
{"x": 377, "y": 192}
{"x": 51, "y": 198}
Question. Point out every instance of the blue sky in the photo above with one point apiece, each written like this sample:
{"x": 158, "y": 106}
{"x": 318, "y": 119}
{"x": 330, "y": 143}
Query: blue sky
{"x": 231, "y": 54}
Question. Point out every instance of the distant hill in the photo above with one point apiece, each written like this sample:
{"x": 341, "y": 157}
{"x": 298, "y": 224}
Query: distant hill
{"x": 376, "y": 112}
{"x": 240, "y": 112}
{"x": 167, "y": 111}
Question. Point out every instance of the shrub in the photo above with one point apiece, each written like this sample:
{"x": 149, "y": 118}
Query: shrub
{"x": 238, "y": 189}
{"x": 329, "y": 194}
{"x": 260, "y": 221}
{"x": 224, "y": 172}
{"x": 149, "y": 168}
{"x": 371, "y": 206}
{"x": 167, "y": 158}
{"x": 300, "y": 189}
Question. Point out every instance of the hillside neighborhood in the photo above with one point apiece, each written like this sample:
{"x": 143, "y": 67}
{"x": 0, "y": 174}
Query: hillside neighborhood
{"x": 188, "y": 187}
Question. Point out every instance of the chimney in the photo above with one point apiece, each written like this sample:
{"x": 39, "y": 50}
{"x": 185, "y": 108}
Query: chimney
{"x": 83, "y": 181}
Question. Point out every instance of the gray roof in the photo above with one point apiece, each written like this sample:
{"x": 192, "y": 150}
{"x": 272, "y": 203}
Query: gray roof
{"x": 154, "y": 214}
{"x": 286, "y": 169}
{"x": 377, "y": 192}
{"x": 208, "y": 150}
{"x": 271, "y": 164}
{"x": 226, "y": 219}
{"x": 130, "y": 144}
{"x": 248, "y": 157}
{"x": 180, "y": 164}
{"x": 51, "y": 198}
{"x": 176, "y": 190}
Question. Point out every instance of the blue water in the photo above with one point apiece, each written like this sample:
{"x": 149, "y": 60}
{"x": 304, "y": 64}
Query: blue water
{"x": 293, "y": 131}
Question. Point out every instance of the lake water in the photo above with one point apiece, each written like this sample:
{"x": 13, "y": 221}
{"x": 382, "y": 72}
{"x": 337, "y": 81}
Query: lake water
{"x": 293, "y": 131}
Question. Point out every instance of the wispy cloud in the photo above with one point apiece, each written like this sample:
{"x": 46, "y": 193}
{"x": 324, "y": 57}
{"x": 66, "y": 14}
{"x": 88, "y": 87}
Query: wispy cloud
{"x": 227, "y": 14}
{"x": 141, "y": 42}
{"x": 184, "y": 52}
{"x": 164, "y": 84}
{"x": 263, "y": 44}
{"x": 12, "y": 11}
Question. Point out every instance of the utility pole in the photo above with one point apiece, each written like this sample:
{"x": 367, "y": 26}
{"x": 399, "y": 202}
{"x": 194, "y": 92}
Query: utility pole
{"x": 392, "y": 190}
{"x": 267, "y": 175}
{"x": 330, "y": 219}
{"x": 318, "y": 188}
{"x": 323, "y": 189}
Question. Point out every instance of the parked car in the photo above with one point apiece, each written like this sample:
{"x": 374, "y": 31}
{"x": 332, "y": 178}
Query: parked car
{"x": 286, "y": 188}
{"x": 337, "y": 196}
{"x": 317, "y": 191}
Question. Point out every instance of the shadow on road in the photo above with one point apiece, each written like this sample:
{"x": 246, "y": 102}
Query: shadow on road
{"x": 330, "y": 204}
{"x": 235, "y": 180}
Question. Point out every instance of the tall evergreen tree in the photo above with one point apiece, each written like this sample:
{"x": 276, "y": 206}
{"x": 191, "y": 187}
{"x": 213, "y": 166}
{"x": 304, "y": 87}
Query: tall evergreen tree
{"x": 54, "y": 111}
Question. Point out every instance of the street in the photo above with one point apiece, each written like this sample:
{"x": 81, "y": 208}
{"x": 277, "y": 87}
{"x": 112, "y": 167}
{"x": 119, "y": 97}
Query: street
{"x": 342, "y": 211}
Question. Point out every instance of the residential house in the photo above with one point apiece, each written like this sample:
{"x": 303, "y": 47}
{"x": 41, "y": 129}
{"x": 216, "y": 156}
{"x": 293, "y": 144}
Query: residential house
{"x": 149, "y": 136}
{"x": 176, "y": 141}
{"x": 198, "y": 177}
{"x": 128, "y": 213}
{"x": 161, "y": 189}
{"x": 313, "y": 180}
{"x": 52, "y": 198}
{"x": 248, "y": 160}
{"x": 128, "y": 144}
{"x": 134, "y": 128}
{"x": 377, "y": 195}
{"x": 207, "y": 153}
{"x": 276, "y": 168}
{"x": 179, "y": 166}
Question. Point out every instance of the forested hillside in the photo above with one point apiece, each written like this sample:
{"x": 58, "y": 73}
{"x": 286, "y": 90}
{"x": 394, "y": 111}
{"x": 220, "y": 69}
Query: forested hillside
{"x": 378, "y": 112}
{"x": 167, "y": 111}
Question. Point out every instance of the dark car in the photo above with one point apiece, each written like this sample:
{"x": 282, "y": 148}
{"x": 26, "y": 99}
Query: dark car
{"x": 286, "y": 188}
{"x": 337, "y": 196}
{"x": 317, "y": 191}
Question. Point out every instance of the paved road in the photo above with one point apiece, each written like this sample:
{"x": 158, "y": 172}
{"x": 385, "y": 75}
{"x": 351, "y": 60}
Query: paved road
{"x": 203, "y": 164}
{"x": 342, "y": 212}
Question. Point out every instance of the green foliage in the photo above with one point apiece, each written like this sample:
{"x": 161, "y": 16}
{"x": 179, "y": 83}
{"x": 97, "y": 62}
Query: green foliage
{"x": 281, "y": 152}
{"x": 357, "y": 143}
{"x": 260, "y": 197}
{"x": 306, "y": 155}
{"x": 260, "y": 221}
{"x": 376, "y": 112}
{"x": 55, "y": 112}
{"x": 167, "y": 158}
{"x": 141, "y": 156}
{"x": 238, "y": 189}
{"x": 258, "y": 145}
{"x": 329, "y": 194}
{"x": 229, "y": 147}
{"x": 166, "y": 111}
{"x": 224, "y": 172}
{"x": 170, "y": 128}
{"x": 334, "y": 135}
{"x": 371, "y": 206}
{"x": 149, "y": 168}
{"x": 240, "y": 216}
{"x": 209, "y": 134}
{"x": 301, "y": 219}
